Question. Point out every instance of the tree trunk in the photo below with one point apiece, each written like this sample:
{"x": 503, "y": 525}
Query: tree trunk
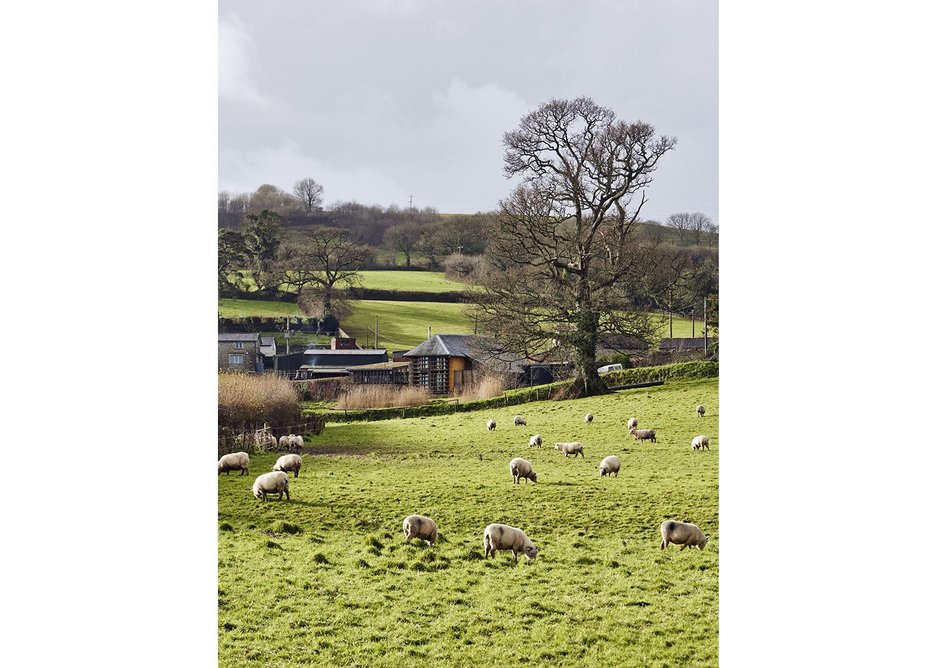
{"x": 407, "y": 258}
{"x": 327, "y": 301}
{"x": 587, "y": 381}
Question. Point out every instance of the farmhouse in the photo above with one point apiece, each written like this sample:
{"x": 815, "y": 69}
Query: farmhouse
{"x": 446, "y": 363}
{"x": 240, "y": 352}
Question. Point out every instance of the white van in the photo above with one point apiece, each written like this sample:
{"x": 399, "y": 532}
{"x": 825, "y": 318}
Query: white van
{"x": 609, "y": 367}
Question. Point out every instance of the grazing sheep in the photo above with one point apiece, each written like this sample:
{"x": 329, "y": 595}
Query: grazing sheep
{"x": 701, "y": 410}
{"x": 504, "y": 537}
{"x": 644, "y": 434}
{"x": 232, "y": 461}
{"x": 298, "y": 442}
{"x": 490, "y": 425}
{"x": 520, "y": 421}
{"x": 534, "y": 441}
{"x": 700, "y": 442}
{"x": 609, "y": 465}
{"x": 284, "y": 442}
{"x": 521, "y": 468}
{"x": 275, "y": 482}
{"x": 632, "y": 423}
{"x": 574, "y": 449}
{"x": 588, "y": 418}
{"x": 289, "y": 463}
{"x": 684, "y": 534}
{"x": 418, "y": 526}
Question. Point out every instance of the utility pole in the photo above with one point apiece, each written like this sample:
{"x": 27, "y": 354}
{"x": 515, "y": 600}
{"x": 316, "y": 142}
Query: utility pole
{"x": 411, "y": 202}
{"x": 670, "y": 319}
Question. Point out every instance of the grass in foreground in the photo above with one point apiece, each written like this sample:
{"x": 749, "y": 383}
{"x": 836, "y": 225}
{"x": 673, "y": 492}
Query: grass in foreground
{"x": 328, "y": 579}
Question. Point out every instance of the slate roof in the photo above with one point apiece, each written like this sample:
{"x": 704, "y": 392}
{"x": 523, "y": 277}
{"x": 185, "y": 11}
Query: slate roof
{"x": 474, "y": 347}
{"x": 237, "y": 336}
{"x": 682, "y": 344}
{"x": 348, "y": 351}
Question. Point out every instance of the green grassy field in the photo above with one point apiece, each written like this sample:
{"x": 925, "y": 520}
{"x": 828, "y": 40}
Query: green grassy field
{"x": 401, "y": 325}
{"x": 328, "y": 579}
{"x": 411, "y": 281}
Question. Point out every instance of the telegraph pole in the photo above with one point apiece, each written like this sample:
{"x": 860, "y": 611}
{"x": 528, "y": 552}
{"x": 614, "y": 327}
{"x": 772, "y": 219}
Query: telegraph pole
{"x": 411, "y": 202}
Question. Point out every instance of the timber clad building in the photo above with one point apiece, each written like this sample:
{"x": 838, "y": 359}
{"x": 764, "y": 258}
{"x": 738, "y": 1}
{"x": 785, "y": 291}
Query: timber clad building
{"x": 446, "y": 363}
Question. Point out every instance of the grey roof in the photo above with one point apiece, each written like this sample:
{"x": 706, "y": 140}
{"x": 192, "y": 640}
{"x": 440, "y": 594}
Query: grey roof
{"x": 445, "y": 345}
{"x": 237, "y": 336}
{"x": 267, "y": 340}
{"x": 682, "y": 344}
{"x": 349, "y": 351}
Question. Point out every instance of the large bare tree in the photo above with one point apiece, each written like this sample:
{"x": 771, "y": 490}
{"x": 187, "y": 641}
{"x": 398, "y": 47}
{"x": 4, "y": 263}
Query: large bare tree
{"x": 309, "y": 193}
{"x": 327, "y": 258}
{"x": 566, "y": 265}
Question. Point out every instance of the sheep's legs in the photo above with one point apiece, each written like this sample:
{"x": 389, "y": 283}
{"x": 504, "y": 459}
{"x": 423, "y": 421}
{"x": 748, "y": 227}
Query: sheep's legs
{"x": 683, "y": 546}
{"x": 287, "y": 492}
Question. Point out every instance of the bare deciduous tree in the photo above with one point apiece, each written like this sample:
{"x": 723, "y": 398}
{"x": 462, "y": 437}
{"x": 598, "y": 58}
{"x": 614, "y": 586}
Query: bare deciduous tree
{"x": 565, "y": 263}
{"x": 404, "y": 237}
{"x": 309, "y": 193}
{"x": 331, "y": 257}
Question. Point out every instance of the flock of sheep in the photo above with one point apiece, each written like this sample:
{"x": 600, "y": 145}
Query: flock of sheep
{"x": 496, "y": 536}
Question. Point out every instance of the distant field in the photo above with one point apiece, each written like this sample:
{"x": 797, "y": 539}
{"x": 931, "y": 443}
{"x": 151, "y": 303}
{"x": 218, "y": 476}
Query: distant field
{"x": 328, "y": 579}
{"x": 401, "y": 325}
{"x": 407, "y": 281}
{"x": 410, "y": 281}
{"x": 246, "y": 308}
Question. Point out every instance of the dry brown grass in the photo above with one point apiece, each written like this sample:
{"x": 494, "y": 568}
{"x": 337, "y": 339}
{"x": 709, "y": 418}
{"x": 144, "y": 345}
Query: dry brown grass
{"x": 247, "y": 400}
{"x": 382, "y": 396}
{"x": 488, "y": 387}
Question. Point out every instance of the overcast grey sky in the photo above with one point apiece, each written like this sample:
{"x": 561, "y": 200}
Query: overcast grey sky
{"x": 379, "y": 100}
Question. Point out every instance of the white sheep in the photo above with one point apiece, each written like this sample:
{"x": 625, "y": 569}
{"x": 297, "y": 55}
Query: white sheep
{"x": 644, "y": 434}
{"x": 684, "y": 534}
{"x": 701, "y": 410}
{"x": 534, "y": 441}
{"x": 291, "y": 441}
{"x": 275, "y": 482}
{"x": 520, "y": 421}
{"x": 232, "y": 461}
{"x": 284, "y": 442}
{"x": 574, "y": 449}
{"x": 700, "y": 442}
{"x": 632, "y": 423}
{"x": 289, "y": 463}
{"x": 418, "y": 526}
{"x": 503, "y": 537}
{"x": 609, "y": 465}
{"x": 298, "y": 442}
{"x": 490, "y": 425}
{"x": 521, "y": 468}
{"x": 588, "y": 418}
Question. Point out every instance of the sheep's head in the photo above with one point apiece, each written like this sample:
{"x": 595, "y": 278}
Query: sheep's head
{"x": 703, "y": 544}
{"x": 257, "y": 492}
{"x": 533, "y": 476}
{"x": 277, "y": 467}
{"x": 603, "y": 471}
{"x": 530, "y": 551}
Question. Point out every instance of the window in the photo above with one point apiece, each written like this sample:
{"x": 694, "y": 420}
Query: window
{"x": 239, "y": 345}
{"x": 236, "y": 359}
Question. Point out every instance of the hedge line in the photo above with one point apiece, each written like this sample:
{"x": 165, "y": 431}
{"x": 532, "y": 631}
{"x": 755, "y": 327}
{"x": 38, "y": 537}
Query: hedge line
{"x": 678, "y": 371}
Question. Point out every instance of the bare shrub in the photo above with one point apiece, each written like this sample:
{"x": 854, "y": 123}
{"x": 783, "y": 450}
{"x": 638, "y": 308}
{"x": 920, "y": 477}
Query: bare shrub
{"x": 247, "y": 401}
{"x": 486, "y": 388}
{"x": 382, "y": 396}
{"x": 322, "y": 389}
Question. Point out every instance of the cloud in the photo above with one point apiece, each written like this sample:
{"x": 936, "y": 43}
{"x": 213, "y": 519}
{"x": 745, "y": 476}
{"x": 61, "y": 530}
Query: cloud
{"x": 238, "y": 64}
{"x": 284, "y": 165}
